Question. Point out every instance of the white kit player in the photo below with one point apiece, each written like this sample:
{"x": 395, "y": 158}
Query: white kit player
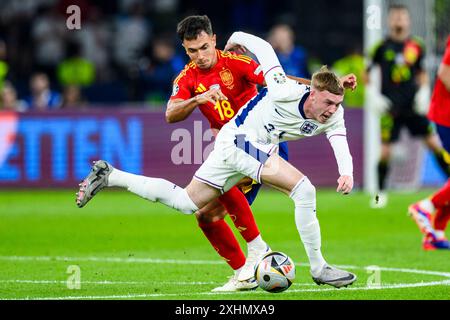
{"x": 247, "y": 147}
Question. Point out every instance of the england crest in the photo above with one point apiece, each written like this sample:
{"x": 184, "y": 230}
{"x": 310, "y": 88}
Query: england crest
{"x": 308, "y": 128}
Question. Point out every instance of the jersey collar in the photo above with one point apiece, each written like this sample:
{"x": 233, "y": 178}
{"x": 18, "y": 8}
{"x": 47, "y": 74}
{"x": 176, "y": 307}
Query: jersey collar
{"x": 301, "y": 104}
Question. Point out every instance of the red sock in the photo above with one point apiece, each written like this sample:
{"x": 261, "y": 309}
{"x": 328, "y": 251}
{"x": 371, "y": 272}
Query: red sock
{"x": 442, "y": 197}
{"x": 241, "y": 214}
{"x": 441, "y": 218}
{"x": 223, "y": 240}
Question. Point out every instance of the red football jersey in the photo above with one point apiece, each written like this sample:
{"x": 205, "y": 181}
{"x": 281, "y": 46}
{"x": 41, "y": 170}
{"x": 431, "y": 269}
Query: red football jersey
{"x": 440, "y": 100}
{"x": 237, "y": 76}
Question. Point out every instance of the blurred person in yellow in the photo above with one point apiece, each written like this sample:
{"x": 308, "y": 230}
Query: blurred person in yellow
{"x": 354, "y": 63}
{"x": 4, "y": 68}
{"x": 75, "y": 69}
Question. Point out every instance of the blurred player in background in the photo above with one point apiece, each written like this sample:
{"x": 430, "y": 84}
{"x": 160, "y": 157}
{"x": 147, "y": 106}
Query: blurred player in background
{"x": 292, "y": 57}
{"x": 247, "y": 147}
{"x": 404, "y": 93}
{"x": 432, "y": 214}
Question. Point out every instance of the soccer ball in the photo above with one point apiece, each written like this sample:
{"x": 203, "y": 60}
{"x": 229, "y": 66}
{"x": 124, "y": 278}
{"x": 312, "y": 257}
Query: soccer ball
{"x": 275, "y": 272}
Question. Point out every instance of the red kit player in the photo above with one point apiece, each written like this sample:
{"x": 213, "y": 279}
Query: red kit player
{"x": 432, "y": 214}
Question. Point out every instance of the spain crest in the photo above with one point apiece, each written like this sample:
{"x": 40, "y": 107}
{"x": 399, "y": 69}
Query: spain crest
{"x": 227, "y": 77}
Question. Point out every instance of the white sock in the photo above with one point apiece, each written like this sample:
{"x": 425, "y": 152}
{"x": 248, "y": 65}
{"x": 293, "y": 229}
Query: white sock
{"x": 427, "y": 205}
{"x": 236, "y": 272}
{"x": 153, "y": 189}
{"x": 440, "y": 234}
{"x": 304, "y": 196}
{"x": 257, "y": 243}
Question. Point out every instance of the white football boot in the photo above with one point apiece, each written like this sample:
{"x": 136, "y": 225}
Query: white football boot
{"x": 94, "y": 182}
{"x": 334, "y": 277}
{"x": 253, "y": 258}
{"x": 235, "y": 285}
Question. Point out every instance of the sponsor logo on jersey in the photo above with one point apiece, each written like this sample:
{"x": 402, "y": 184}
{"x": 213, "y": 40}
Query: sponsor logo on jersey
{"x": 227, "y": 77}
{"x": 308, "y": 127}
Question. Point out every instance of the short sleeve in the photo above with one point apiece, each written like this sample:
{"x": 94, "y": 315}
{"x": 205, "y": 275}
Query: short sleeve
{"x": 254, "y": 73}
{"x": 181, "y": 88}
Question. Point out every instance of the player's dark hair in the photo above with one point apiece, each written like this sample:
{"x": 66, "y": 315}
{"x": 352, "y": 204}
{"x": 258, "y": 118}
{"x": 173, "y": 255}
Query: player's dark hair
{"x": 398, "y": 6}
{"x": 324, "y": 79}
{"x": 190, "y": 27}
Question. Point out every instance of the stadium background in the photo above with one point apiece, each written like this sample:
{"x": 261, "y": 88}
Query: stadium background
{"x": 122, "y": 80}
{"x": 119, "y": 116}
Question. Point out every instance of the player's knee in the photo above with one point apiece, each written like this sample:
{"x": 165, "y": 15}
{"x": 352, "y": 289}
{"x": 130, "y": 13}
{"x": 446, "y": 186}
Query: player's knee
{"x": 182, "y": 202}
{"x": 304, "y": 193}
{"x": 209, "y": 216}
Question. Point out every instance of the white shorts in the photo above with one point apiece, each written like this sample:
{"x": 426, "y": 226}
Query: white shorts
{"x": 233, "y": 158}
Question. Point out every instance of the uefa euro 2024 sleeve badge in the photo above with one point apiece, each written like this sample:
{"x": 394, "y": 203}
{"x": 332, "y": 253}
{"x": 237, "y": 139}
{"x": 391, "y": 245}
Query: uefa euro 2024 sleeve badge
{"x": 175, "y": 89}
{"x": 279, "y": 77}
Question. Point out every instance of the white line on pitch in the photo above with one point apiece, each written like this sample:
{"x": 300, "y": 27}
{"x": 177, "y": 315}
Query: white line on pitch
{"x": 108, "y": 282}
{"x": 154, "y": 295}
{"x": 174, "y": 261}
{"x": 108, "y": 259}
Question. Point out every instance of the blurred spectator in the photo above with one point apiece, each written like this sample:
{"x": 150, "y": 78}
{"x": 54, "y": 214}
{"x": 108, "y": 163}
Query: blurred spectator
{"x": 3, "y": 64}
{"x": 72, "y": 98}
{"x": 75, "y": 70}
{"x": 8, "y": 99}
{"x": 42, "y": 97}
{"x": 95, "y": 37}
{"x": 48, "y": 32}
{"x": 158, "y": 73}
{"x": 292, "y": 57}
{"x": 353, "y": 63}
{"x": 131, "y": 36}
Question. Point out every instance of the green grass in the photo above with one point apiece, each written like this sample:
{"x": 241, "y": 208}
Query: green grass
{"x": 42, "y": 233}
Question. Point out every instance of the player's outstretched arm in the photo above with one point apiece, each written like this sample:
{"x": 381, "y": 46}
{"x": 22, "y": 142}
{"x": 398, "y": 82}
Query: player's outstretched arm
{"x": 278, "y": 86}
{"x": 344, "y": 161}
{"x": 348, "y": 81}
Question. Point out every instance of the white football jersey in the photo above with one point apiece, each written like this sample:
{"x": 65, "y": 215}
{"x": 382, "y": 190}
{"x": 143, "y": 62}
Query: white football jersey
{"x": 268, "y": 121}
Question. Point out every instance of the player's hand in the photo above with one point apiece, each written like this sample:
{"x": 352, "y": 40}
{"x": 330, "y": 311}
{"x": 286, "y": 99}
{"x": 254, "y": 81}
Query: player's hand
{"x": 212, "y": 95}
{"x": 238, "y": 49}
{"x": 345, "y": 184}
{"x": 349, "y": 81}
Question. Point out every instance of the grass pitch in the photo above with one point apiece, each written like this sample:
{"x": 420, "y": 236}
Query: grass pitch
{"x": 123, "y": 247}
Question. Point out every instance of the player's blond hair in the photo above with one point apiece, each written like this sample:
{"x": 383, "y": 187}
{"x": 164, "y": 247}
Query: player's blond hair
{"x": 324, "y": 79}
